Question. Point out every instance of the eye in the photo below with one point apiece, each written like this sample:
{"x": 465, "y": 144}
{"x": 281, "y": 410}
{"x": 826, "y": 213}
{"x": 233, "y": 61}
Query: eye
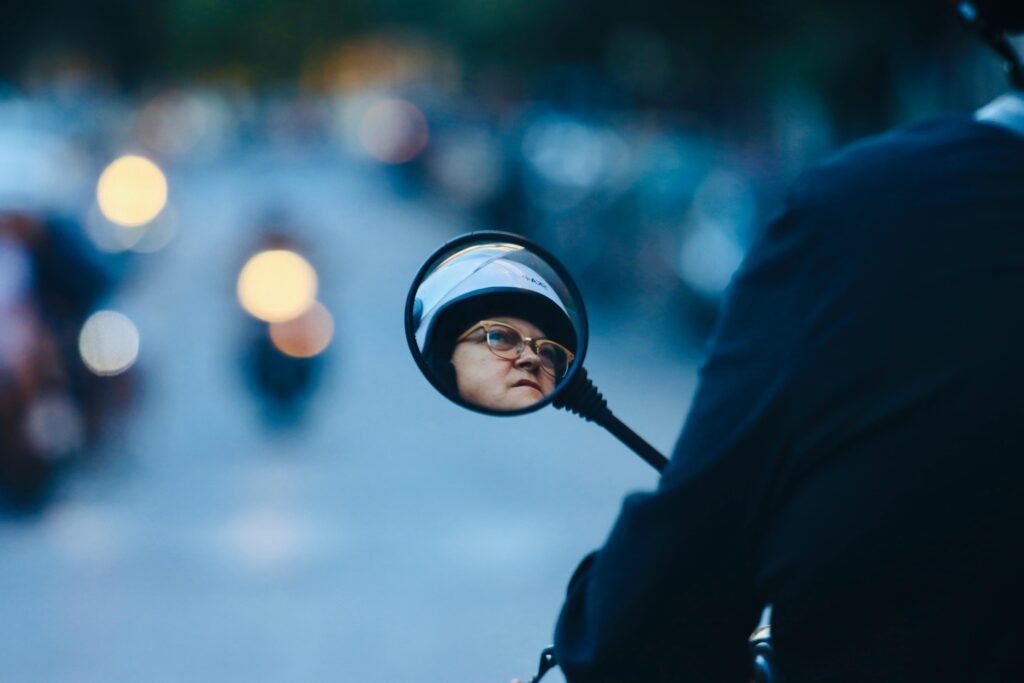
{"x": 502, "y": 338}
{"x": 553, "y": 358}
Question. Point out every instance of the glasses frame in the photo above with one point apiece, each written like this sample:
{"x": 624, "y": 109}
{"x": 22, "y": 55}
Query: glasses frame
{"x": 579, "y": 319}
{"x": 533, "y": 342}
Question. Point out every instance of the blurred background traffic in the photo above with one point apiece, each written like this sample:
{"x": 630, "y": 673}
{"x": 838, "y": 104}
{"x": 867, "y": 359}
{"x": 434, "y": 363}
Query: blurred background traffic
{"x": 217, "y": 458}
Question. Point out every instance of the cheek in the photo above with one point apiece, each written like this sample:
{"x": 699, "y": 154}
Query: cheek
{"x": 479, "y": 376}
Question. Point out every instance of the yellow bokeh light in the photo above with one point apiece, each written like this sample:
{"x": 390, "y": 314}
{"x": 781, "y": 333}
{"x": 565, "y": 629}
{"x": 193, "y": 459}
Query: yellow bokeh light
{"x": 277, "y": 285}
{"x": 131, "y": 191}
{"x": 108, "y": 343}
{"x": 305, "y": 336}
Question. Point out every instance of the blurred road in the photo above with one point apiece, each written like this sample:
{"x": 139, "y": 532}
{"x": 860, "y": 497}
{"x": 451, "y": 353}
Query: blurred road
{"x": 393, "y": 537}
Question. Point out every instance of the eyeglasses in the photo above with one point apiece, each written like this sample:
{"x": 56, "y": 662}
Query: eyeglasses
{"x": 507, "y": 342}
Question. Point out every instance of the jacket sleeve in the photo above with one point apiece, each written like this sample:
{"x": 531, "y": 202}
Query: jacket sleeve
{"x": 670, "y": 596}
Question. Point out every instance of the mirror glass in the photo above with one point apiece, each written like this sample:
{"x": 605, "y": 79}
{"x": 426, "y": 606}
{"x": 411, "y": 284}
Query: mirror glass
{"x": 495, "y": 323}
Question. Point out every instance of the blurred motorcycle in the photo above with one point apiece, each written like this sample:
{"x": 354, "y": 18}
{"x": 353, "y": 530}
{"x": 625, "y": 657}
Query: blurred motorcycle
{"x": 51, "y": 406}
{"x": 287, "y": 331}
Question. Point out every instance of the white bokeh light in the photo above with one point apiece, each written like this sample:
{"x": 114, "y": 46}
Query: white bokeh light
{"x": 109, "y": 343}
{"x": 394, "y": 131}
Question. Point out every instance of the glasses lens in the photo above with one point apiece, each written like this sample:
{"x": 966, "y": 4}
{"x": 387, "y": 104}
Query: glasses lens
{"x": 503, "y": 340}
{"x": 553, "y": 359}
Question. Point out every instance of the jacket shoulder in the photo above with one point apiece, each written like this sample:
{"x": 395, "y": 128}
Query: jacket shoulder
{"x": 904, "y": 157}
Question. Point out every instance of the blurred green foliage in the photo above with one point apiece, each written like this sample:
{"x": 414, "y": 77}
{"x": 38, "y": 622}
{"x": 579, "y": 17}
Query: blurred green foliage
{"x": 264, "y": 39}
{"x": 719, "y": 52}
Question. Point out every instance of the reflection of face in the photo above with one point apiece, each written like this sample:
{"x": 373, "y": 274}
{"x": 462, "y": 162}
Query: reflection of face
{"x": 487, "y": 380}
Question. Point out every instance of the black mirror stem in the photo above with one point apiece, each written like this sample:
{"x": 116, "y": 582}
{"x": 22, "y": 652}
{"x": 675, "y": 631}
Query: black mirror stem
{"x": 580, "y": 396}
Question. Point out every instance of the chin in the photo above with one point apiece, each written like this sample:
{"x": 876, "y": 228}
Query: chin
{"x": 516, "y": 405}
{"x": 522, "y": 397}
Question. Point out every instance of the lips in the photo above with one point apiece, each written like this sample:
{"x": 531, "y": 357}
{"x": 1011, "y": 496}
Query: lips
{"x": 528, "y": 383}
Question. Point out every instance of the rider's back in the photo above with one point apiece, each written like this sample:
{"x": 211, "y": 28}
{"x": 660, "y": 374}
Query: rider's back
{"x": 854, "y": 454}
{"x": 890, "y": 540}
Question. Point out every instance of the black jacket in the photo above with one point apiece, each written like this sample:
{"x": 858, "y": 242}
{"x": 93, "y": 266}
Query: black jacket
{"x": 855, "y": 451}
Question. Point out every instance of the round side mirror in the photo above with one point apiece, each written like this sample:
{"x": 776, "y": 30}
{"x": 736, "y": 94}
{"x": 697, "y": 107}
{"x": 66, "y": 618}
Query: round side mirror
{"x": 496, "y": 323}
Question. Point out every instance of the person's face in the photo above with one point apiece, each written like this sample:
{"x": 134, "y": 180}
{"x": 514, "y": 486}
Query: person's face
{"x": 493, "y": 382}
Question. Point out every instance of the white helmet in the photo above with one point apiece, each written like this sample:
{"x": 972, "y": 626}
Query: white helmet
{"x": 485, "y": 275}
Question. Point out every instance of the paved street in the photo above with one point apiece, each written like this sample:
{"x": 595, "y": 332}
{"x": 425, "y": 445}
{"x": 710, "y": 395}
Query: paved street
{"x": 392, "y": 537}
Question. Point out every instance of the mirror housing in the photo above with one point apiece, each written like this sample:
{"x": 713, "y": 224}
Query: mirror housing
{"x": 496, "y": 324}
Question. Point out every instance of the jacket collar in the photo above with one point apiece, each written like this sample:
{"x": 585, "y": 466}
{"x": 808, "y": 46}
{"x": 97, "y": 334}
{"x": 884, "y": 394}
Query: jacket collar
{"x": 1006, "y": 110}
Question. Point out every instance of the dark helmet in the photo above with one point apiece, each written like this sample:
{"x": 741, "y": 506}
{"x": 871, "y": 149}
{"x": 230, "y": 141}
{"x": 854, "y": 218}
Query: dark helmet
{"x": 992, "y": 20}
{"x": 999, "y": 15}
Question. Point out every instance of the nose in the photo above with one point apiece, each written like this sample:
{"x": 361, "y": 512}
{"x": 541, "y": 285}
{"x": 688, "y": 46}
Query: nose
{"x": 528, "y": 359}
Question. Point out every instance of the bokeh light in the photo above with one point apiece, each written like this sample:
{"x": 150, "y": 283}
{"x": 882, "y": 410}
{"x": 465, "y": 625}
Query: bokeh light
{"x": 708, "y": 257}
{"x": 468, "y": 165}
{"x": 277, "y": 285}
{"x": 109, "y": 236}
{"x": 305, "y": 336}
{"x": 157, "y": 234}
{"x": 394, "y": 131}
{"x": 109, "y": 343}
{"x": 54, "y": 425}
{"x": 131, "y": 191}
{"x": 185, "y": 123}
{"x": 113, "y": 238}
